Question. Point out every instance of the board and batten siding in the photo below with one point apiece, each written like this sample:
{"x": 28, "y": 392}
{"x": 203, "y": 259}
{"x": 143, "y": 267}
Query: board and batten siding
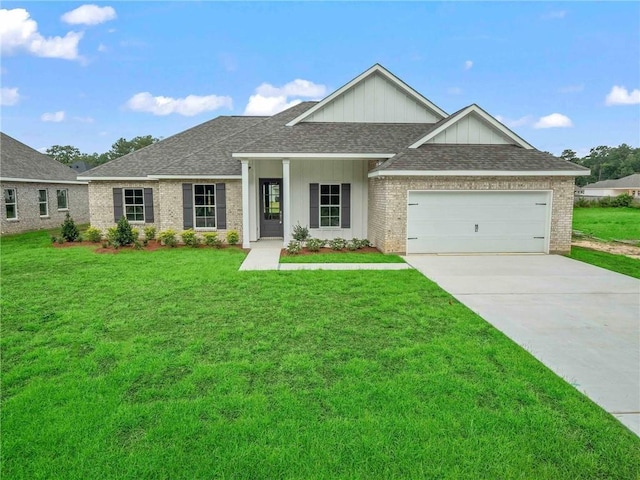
{"x": 471, "y": 130}
{"x": 374, "y": 100}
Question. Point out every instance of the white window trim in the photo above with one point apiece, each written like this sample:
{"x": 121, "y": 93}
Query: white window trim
{"x": 215, "y": 206}
{"x": 14, "y": 203}
{"x": 58, "y": 190}
{"x": 329, "y": 227}
{"x": 46, "y": 202}
{"x": 124, "y": 206}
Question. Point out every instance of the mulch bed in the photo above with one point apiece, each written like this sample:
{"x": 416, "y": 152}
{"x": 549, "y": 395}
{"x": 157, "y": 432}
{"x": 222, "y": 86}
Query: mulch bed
{"x": 150, "y": 247}
{"x": 305, "y": 251}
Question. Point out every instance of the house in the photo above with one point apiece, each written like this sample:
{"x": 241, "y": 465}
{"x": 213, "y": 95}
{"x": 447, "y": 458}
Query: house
{"x": 375, "y": 159}
{"x": 38, "y": 191}
{"x": 612, "y": 188}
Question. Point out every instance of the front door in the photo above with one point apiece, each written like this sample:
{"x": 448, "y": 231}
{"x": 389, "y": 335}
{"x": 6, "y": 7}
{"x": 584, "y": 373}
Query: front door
{"x": 271, "y": 207}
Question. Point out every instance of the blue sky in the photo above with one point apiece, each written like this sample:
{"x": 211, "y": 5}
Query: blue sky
{"x": 562, "y": 75}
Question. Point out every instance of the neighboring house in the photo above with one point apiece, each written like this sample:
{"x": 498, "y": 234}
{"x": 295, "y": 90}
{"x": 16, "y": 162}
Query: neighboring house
{"x": 375, "y": 159}
{"x": 613, "y": 188}
{"x": 37, "y": 190}
{"x": 80, "y": 166}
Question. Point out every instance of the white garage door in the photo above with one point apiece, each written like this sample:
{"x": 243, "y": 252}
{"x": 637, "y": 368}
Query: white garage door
{"x": 478, "y": 222}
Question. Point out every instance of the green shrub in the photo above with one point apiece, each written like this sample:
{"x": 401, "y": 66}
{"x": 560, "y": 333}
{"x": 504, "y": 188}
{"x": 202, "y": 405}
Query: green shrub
{"x": 300, "y": 233}
{"x": 583, "y": 202}
{"x": 150, "y": 233}
{"x": 294, "y": 247}
{"x": 352, "y": 245}
{"x": 189, "y": 238}
{"x": 168, "y": 238}
{"x": 604, "y": 202}
{"x": 124, "y": 233}
{"x": 211, "y": 239}
{"x": 137, "y": 245}
{"x": 623, "y": 200}
{"x": 315, "y": 244}
{"x": 93, "y": 234}
{"x": 233, "y": 237}
{"x": 364, "y": 243}
{"x": 337, "y": 243}
{"x": 54, "y": 239}
{"x": 60, "y": 240}
{"x": 136, "y": 233}
{"x": 70, "y": 230}
{"x": 112, "y": 232}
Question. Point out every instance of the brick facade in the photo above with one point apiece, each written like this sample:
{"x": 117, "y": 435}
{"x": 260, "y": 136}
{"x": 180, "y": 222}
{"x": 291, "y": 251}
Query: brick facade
{"x": 28, "y": 208}
{"x": 388, "y": 204}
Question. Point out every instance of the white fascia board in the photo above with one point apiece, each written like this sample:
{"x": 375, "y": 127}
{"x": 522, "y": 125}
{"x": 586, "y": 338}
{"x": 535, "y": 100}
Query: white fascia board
{"x": 477, "y": 173}
{"x": 485, "y": 116}
{"x": 35, "y": 180}
{"x": 383, "y": 71}
{"x": 116, "y": 179}
{"x": 183, "y": 177}
{"x": 313, "y": 155}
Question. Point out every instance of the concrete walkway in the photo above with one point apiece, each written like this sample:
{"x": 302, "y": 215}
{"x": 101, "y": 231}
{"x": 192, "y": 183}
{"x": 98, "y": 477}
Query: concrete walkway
{"x": 582, "y": 321}
{"x": 265, "y": 255}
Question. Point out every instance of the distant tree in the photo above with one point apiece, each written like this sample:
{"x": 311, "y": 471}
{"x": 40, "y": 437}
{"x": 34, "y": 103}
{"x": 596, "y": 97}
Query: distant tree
{"x": 608, "y": 163}
{"x": 122, "y": 146}
{"x": 65, "y": 154}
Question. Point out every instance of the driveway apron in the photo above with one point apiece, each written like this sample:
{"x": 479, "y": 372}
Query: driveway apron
{"x": 582, "y": 321}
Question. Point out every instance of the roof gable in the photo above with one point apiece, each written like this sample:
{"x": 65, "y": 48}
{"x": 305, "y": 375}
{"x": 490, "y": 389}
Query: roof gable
{"x": 472, "y": 126}
{"x": 375, "y": 96}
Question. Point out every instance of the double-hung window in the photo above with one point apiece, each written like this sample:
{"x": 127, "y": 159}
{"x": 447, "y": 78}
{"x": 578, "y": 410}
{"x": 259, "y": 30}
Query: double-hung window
{"x": 10, "y": 206}
{"x": 63, "y": 199}
{"x": 330, "y": 205}
{"x": 43, "y": 202}
{"x": 204, "y": 202}
{"x": 134, "y": 204}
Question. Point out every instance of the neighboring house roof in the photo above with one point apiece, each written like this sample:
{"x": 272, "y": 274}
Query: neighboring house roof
{"x": 21, "y": 162}
{"x": 80, "y": 166}
{"x": 630, "y": 181}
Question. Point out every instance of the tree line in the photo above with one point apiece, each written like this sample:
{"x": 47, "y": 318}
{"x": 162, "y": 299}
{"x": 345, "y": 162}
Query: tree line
{"x": 606, "y": 163}
{"x": 68, "y": 154}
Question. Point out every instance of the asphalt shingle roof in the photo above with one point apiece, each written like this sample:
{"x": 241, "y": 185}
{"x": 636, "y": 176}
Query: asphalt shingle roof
{"x": 630, "y": 181}
{"x": 476, "y": 157}
{"x": 21, "y": 161}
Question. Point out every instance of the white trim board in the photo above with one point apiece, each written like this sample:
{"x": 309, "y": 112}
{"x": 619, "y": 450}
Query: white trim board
{"x": 197, "y": 177}
{"x": 477, "y": 173}
{"x": 34, "y": 180}
{"x": 319, "y": 155}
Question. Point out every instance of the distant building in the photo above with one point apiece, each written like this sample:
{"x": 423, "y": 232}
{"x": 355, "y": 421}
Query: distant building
{"x": 80, "y": 166}
{"x": 612, "y": 188}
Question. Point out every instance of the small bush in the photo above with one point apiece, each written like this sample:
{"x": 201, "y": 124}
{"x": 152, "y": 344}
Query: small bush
{"x": 623, "y": 200}
{"x": 112, "y": 232}
{"x": 337, "y": 243}
{"x": 93, "y": 234}
{"x": 150, "y": 233}
{"x": 189, "y": 238}
{"x": 137, "y": 245}
{"x": 315, "y": 244}
{"x": 300, "y": 233}
{"x": 136, "y": 233}
{"x": 604, "y": 202}
{"x": 54, "y": 239}
{"x": 124, "y": 233}
{"x": 60, "y": 240}
{"x": 70, "y": 231}
{"x": 105, "y": 244}
{"x": 364, "y": 243}
{"x": 168, "y": 238}
{"x": 233, "y": 237}
{"x": 145, "y": 242}
{"x": 582, "y": 202}
{"x": 294, "y": 247}
{"x": 353, "y": 245}
{"x": 211, "y": 239}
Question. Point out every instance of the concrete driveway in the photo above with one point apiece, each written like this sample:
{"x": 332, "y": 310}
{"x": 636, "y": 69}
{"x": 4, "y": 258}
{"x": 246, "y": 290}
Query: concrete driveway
{"x": 582, "y": 321}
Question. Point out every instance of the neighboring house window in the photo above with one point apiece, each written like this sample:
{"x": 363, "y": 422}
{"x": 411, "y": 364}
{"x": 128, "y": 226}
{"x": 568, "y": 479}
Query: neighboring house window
{"x": 10, "y": 206}
{"x": 134, "y": 204}
{"x": 43, "y": 202}
{"x": 330, "y": 205}
{"x": 204, "y": 202}
{"x": 63, "y": 199}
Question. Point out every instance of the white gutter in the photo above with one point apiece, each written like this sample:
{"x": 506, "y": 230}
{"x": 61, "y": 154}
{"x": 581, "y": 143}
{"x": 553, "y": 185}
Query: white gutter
{"x": 477, "y": 173}
{"x": 33, "y": 180}
{"x": 314, "y": 155}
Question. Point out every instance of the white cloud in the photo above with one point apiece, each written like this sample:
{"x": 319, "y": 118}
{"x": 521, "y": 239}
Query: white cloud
{"x": 454, "y": 91}
{"x": 555, "y": 15}
{"x": 555, "y": 120}
{"x": 188, "y": 106}
{"x": 9, "y": 96}
{"x": 519, "y": 122}
{"x": 571, "y": 89}
{"x": 468, "y": 64}
{"x": 621, "y": 96}
{"x": 52, "y": 117}
{"x": 103, "y": 48}
{"x": 18, "y": 32}
{"x": 269, "y": 100}
{"x": 89, "y": 15}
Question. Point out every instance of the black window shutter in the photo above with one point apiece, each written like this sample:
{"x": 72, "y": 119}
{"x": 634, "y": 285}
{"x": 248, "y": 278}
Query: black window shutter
{"x": 345, "y": 221}
{"x": 314, "y": 205}
{"x": 221, "y": 206}
{"x": 187, "y": 205}
{"x": 148, "y": 205}
{"x": 117, "y": 204}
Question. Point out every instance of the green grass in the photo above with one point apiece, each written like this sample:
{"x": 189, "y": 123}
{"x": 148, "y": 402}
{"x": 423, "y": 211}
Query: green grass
{"x": 173, "y": 364}
{"x": 342, "y": 257}
{"x": 616, "y": 263}
{"x": 608, "y": 223}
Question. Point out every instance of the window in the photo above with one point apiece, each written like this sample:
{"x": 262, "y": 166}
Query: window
{"x": 43, "y": 202}
{"x": 204, "y": 202}
{"x": 10, "y": 206}
{"x": 63, "y": 199}
{"x": 134, "y": 204}
{"x": 329, "y": 205}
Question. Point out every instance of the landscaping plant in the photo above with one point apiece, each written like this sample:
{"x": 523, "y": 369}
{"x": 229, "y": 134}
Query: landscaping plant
{"x": 70, "y": 231}
{"x": 93, "y": 234}
{"x": 189, "y": 238}
{"x": 300, "y": 233}
{"x": 150, "y": 233}
{"x": 294, "y": 247}
{"x": 315, "y": 244}
{"x": 168, "y": 238}
{"x": 124, "y": 234}
{"x": 211, "y": 239}
{"x": 233, "y": 237}
{"x": 337, "y": 244}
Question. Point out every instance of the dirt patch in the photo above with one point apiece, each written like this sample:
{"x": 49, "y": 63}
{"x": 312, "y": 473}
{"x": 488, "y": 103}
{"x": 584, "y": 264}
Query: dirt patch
{"x": 609, "y": 247}
{"x": 305, "y": 251}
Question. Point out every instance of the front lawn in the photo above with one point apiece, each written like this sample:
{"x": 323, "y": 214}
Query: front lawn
{"x": 616, "y": 263}
{"x": 173, "y": 364}
{"x": 608, "y": 223}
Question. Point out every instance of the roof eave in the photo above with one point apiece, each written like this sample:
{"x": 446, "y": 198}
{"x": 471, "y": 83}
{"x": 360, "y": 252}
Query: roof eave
{"x": 476, "y": 173}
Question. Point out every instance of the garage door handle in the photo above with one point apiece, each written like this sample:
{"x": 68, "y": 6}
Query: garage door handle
{"x": 476, "y": 227}
{"x": 540, "y": 203}
{"x": 539, "y": 237}
{"x": 413, "y": 204}
{"x": 412, "y": 238}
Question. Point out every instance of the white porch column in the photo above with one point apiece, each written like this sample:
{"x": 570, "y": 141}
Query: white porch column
{"x": 286, "y": 201}
{"x": 245, "y": 204}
